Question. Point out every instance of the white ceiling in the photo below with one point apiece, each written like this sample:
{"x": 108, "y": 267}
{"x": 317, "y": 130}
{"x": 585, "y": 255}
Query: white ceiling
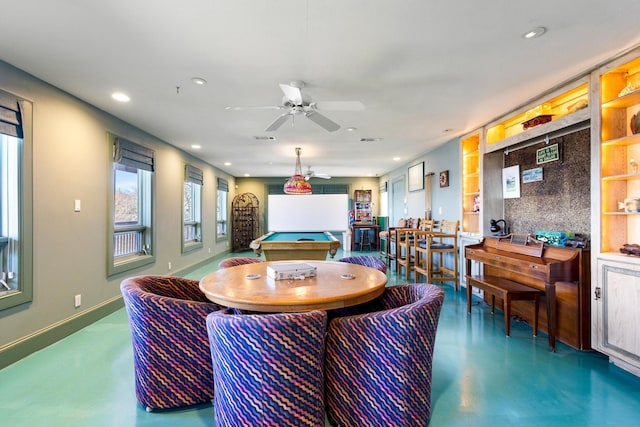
{"x": 419, "y": 67}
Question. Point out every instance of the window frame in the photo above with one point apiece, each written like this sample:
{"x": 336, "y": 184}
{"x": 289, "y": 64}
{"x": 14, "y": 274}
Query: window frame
{"x": 146, "y": 206}
{"x": 222, "y": 188}
{"x": 23, "y": 291}
{"x": 196, "y": 194}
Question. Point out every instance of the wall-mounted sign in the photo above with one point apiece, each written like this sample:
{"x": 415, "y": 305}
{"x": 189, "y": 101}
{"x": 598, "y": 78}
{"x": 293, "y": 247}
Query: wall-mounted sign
{"x": 532, "y": 175}
{"x": 547, "y": 154}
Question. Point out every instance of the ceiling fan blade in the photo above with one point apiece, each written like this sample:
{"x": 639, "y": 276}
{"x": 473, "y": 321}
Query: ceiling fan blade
{"x": 293, "y": 94}
{"x": 263, "y": 107}
{"x": 322, "y": 121}
{"x": 339, "y": 105}
{"x": 278, "y": 122}
{"x": 322, "y": 176}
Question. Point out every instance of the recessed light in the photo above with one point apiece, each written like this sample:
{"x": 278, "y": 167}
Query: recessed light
{"x": 264, "y": 138}
{"x": 196, "y": 146}
{"x": 351, "y": 129}
{"x": 535, "y": 32}
{"x": 247, "y": 174}
{"x": 120, "y": 97}
{"x": 370, "y": 139}
{"x": 199, "y": 81}
{"x": 227, "y": 163}
{"x": 396, "y": 159}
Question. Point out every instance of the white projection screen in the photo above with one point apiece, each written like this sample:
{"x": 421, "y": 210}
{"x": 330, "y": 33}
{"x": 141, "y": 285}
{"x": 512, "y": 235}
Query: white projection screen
{"x": 311, "y": 212}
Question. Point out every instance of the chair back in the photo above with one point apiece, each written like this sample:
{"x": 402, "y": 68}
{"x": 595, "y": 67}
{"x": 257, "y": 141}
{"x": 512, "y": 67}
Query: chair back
{"x": 268, "y": 368}
{"x": 426, "y": 225}
{"x": 230, "y": 262}
{"x": 449, "y": 237}
{"x": 171, "y": 357}
{"x": 367, "y": 261}
{"x": 363, "y": 363}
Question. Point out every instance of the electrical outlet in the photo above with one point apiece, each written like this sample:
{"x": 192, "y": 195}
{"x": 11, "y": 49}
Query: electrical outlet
{"x": 209, "y": 250}
{"x": 78, "y": 300}
{"x": 169, "y": 265}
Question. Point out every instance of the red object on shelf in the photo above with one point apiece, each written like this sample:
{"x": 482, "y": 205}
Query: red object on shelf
{"x": 538, "y": 120}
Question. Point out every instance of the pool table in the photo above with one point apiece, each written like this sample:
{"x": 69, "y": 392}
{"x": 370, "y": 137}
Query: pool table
{"x": 278, "y": 245}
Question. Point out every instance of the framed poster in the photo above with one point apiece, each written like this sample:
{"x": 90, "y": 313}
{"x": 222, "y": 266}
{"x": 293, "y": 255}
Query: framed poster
{"x": 416, "y": 177}
{"x": 511, "y": 182}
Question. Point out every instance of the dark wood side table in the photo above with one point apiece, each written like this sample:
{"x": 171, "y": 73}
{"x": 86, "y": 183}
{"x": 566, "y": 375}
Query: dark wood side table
{"x": 376, "y": 235}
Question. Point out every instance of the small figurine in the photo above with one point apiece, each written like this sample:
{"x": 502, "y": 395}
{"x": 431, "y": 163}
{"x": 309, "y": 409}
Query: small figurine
{"x": 634, "y": 166}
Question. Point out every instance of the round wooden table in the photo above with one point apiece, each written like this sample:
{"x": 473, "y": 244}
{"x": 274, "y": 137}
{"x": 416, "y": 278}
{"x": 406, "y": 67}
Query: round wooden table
{"x": 235, "y": 287}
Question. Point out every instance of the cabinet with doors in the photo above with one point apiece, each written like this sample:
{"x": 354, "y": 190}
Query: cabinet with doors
{"x": 616, "y": 285}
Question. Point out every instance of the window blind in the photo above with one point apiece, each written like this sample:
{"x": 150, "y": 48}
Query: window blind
{"x": 10, "y": 115}
{"x": 134, "y": 155}
{"x": 223, "y": 185}
{"x": 193, "y": 174}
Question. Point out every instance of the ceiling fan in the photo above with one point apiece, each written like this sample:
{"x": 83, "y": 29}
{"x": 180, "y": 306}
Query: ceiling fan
{"x": 298, "y": 103}
{"x": 312, "y": 174}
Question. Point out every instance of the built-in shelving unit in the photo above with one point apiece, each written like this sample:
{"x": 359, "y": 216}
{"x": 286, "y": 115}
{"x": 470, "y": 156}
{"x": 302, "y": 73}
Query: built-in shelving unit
{"x": 471, "y": 197}
{"x": 619, "y": 157}
{"x": 559, "y": 109}
{"x": 616, "y": 281}
{"x": 362, "y": 206}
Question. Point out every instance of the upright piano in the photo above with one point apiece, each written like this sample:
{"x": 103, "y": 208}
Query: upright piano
{"x": 562, "y": 273}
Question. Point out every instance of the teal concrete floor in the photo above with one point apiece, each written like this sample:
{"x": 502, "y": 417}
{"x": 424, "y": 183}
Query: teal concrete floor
{"x": 480, "y": 378}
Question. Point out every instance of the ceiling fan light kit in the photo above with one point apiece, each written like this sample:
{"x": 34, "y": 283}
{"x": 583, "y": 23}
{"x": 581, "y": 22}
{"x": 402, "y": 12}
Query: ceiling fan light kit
{"x": 297, "y": 184}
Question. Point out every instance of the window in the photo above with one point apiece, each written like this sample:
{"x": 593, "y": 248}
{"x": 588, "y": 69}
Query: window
{"x": 221, "y": 209}
{"x": 192, "y": 209}
{"x": 16, "y": 208}
{"x": 131, "y": 229}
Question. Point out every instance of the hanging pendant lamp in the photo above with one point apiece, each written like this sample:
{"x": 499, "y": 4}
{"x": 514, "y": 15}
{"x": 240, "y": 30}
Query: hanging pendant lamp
{"x": 297, "y": 184}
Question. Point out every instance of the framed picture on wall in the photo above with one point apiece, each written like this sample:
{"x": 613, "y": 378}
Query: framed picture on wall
{"x": 416, "y": 177}
{"x": 511, "y": 182}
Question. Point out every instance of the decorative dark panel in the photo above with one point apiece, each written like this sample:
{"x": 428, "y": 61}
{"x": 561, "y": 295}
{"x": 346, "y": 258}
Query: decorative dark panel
{"x": 562, "y": 200}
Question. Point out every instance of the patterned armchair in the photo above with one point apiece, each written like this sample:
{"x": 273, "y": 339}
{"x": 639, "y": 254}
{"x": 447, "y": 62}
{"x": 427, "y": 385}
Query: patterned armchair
{"x": 230, "y": 262}
{"x": 172, "y": 361}
{"x": 367, "y": 261}
{"x": 268, "y": 368}
{"x": 396, "y": 343}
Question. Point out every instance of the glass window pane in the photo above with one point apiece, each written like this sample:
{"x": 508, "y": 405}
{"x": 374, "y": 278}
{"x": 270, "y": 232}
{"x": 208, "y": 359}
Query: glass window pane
{"x": 126, "y": 197}
{"x": 221, "y": 213}
{"x": 189, "y": 214}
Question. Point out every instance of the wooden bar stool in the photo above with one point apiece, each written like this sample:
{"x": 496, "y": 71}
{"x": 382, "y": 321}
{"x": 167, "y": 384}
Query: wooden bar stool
{"x": 364, "y": 238}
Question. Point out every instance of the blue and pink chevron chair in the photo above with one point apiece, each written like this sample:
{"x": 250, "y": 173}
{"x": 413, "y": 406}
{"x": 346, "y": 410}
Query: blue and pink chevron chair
{"x": 172, "y": 360}
{"x": 378, "y": 364}
{"x": 367, "y": 261}
{"x": 268, "y": 368}
{"x": 230, "y": 262}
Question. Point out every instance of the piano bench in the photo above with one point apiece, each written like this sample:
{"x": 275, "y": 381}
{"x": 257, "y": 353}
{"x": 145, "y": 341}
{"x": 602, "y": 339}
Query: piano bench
{"x": 509, "y": 291}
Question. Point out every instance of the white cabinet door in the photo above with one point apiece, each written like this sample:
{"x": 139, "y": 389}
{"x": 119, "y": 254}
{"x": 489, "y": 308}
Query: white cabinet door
{"x": 618, "y": 313}
{"x": 464, "y": 240}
